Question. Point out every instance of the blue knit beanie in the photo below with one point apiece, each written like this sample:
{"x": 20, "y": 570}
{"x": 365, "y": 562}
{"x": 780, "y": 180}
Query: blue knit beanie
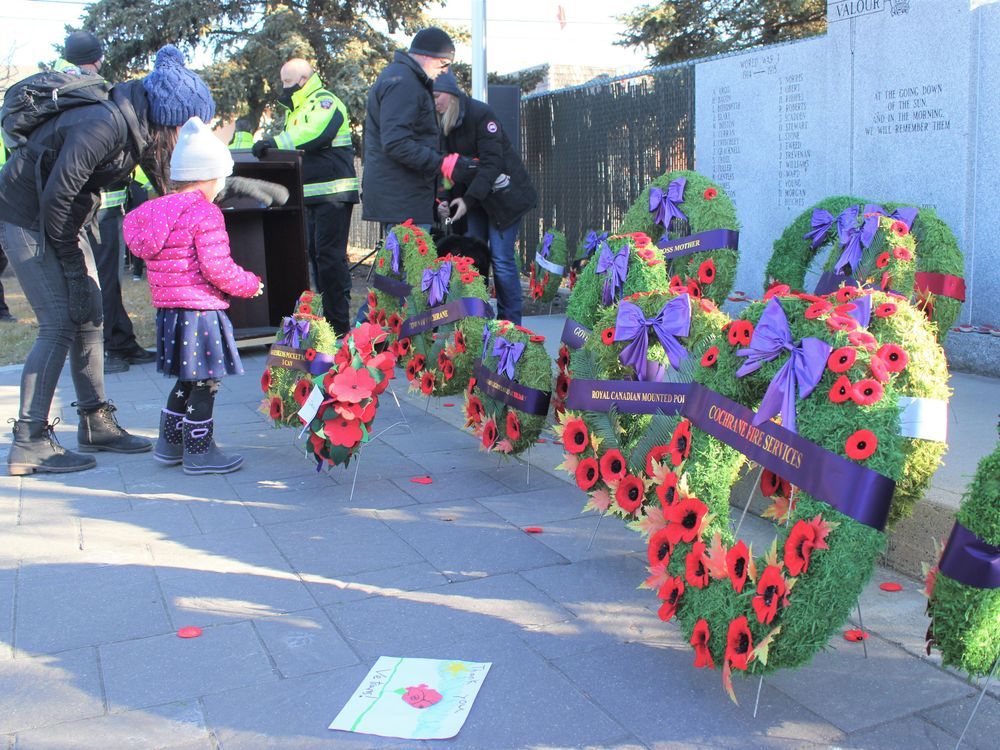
{"x": 175, "y": 93}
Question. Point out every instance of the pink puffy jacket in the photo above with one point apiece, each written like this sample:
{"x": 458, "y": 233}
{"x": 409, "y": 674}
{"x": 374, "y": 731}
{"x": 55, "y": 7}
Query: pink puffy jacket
{"x": 182, "y": 237}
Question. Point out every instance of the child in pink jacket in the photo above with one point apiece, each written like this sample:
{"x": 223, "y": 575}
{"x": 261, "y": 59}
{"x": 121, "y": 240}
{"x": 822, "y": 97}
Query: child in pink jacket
{"x": 182, "y": 237}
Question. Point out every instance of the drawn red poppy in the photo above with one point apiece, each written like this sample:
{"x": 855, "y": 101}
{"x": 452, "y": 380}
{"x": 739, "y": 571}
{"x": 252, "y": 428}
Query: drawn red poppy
{"x": 670, "y": 593}
{"x": 771, "y": 590}
{"x": 842, "y": 359}
{"x": 630, "y": 493}
{"x": 659, "y": 549}
{"x": 699, "y": 640}
{"x": 710, "y": 357}
{"x": 866, "y": 392}
{"x": 738, "y": 565}
{"x": 613, "y": 466}
{"x": 894, "y": 356}
{"x": 576, "y": 439}
{"x": 587, "y": 473}
{"x": 695, "y": 570}
{"x": 706, "y": 272}
{"x": 739, "y": 643}
{"x": 861, "y": 445}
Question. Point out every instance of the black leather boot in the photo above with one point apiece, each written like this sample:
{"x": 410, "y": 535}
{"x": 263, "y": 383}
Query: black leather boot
{"x": 100, "y": 431}
{"x": 35, "y": 449}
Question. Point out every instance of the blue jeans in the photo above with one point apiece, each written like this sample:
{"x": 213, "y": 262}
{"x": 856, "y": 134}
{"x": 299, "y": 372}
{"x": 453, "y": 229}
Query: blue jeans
{"x": 386, "y": 227}
{"x": 505, "y": 274}
{"x": 43, "y": 283}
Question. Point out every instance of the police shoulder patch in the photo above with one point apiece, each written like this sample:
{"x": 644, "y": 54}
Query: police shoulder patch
{"x": 492, "y": 127}
{"x": 326, "y": 103}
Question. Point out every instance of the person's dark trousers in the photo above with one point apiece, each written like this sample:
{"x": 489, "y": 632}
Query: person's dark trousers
{"x": 329, "y": 225}
{"x": 119, "y": 337}
{"x": 4, "y": 310}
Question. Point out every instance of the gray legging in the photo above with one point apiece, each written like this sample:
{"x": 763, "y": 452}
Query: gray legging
{"x": 42, "y": 281}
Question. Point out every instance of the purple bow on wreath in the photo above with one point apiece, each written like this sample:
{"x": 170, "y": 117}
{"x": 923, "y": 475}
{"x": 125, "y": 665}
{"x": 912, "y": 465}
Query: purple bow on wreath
{"x": 905, "y": 214}
{"x": 822, "y": 220}
{"x": 673, "y": 320}
{"x": 862, "y": 311}
{"x": 294, "y": 331}
{"x": 546, "y": 245}
{"x": 854, "y": 239}
{"x": 392, "y": 242}
{"x": 665, "y": 203}
{"x": 509, "y": 353}
{"x": 802, "y": 371}
{"x": 437, "y": 283}
{"x": 615, "y": 265}
{"x": 593, "y": 240}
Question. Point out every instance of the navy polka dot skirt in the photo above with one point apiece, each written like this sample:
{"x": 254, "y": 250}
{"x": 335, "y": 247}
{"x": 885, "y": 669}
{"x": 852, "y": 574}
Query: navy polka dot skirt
{"x": 195, "y": 344}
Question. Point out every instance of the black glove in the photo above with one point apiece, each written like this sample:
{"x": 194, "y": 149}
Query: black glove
{"x": 268, "y": 193}
{"x": 77, "y": 289}
{"x": 465, "y": 170}
{"x": 261, "y": 147}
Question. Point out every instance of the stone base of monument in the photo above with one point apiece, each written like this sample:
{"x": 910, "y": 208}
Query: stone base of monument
{"x": 978, "y": 353}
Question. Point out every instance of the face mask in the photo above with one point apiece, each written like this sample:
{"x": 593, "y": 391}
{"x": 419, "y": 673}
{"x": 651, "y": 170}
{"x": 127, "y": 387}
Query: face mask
{"x": 287, "y": 91}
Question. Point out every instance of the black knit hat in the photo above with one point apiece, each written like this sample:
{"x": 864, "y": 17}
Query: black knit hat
{"x": 82, "y": 48}
{"x": 433, "y": 42}
{"x": 446, "y": 83}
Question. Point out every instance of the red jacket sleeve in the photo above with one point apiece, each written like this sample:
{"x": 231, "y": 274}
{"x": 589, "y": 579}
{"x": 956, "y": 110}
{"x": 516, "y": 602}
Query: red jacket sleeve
{"x": 211, "y": 243}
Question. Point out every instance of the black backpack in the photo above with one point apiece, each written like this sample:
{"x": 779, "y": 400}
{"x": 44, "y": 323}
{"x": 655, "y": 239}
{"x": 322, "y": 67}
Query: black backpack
{"x": 42, "y": 96}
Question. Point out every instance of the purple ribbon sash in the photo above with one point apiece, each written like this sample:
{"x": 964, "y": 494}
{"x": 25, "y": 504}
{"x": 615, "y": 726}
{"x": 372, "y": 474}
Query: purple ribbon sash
{"x": 295, "y": 359}
{"x": 627, "y": 396}
{"x": 701, "y": 242}
{"x": 971, "y": 560}
{"x": 466, "y": 307}
{"x": 391, "y": 286}
{"x": 857, "y": 492}
{"x": 515, "y": 395}
{"x": 574, "y": 334}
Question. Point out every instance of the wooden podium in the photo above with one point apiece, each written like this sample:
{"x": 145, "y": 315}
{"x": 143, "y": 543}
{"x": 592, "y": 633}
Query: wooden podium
{"x": 271, "y": 242}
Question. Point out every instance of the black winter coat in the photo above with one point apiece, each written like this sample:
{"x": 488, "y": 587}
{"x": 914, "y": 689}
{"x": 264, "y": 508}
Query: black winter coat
{"x": 478, "y": 134}
{"x": 402, "y": 145}
{"x": 90, "y": 147}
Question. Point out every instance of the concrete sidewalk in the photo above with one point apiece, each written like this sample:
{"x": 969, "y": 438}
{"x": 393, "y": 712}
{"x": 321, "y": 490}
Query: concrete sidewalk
{"x": 299, "y": 589}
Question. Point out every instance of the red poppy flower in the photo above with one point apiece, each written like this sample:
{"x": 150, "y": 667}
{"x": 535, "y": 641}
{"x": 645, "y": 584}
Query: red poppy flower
{"x": 771, "y": 484}
{"x": 468, "y": 278}
{"x": 740, "y": 333}
{"x": 406, "y": 237}
{"x": 739, "y": 643}
{"x": 276, "y": 408}
{"x": 861, "y": 445}
{"x": 862, "y": 340}
{"x": 302, "y": 390}
{"x": 710, "y": 357}
{"x": 448, "y": 370}
{"x": 576, "y": 439}
{"x": 882, "y": 260}
{"x": 845, "y": 309}
{"x": 695, "y": 570}
{"x": 676, "y": 285}
{"x": 659, "y": 548}
{"x": 265, "y": 380}
{"x": 613, "y": 466}
{"x": 343, "y": 432}
{"x": 667, "y": 491}
{"x": 699, "y": 640}
{"x": 422, "y": 248}
{"x": 442, "y": 358}
{"x": 900, "y": 228}
{"x": 656, "y": 453}
{"x": 307, "y": 296}
{"x": 427, "y": 383}
{"x": 841, "y": 323}
{"x": 536, "y": 339}
{"x": 562, "y": 386}
{"x": 459, "y": 342}
{"x": 895, "y": 357}
{"x": 352, "y": 385}
{"x": 738, "y": 565}
{"x": 880, "y": 370}
{"x": 710, "y": 193}
{"x": 489, "y": 433}
{"x": 413, "y": 368}
{"x": 305, "y": 309}
{"x": 886, "y": 283}
{"x": 630, "y": 493}
{"x": 846, "y": 293}
{"x": 841, "y": 390}
{"x": 771, "y": 589}
{"x": 680, "y": 443}
{"x": 471, "y": 386}
{"x": 693, "y": 289}
{"x": 706, "y": 272}
{"x": 684, "y": 519}
{"x": 670, "y": 593}
{"x": 372, "y": 300}
{"x": 885, "y": 310}
{"x": 778, "y": 290}
{"x": 395, "y": 323}
{"x": 608, "y": 336}
{"x": 473, "y": 411}
{"x": 842, "y": 359}
{"x": 384, "y": 361}
{"x": 402, "y": 347}
{"x": 866, "y": 392}
{"x": 804, "y": 537}
{"x": 902, "y": 253}
{"x": 587, "y": 473}
{"x": 822, "y": 307}
{"x": 513, "y": 425}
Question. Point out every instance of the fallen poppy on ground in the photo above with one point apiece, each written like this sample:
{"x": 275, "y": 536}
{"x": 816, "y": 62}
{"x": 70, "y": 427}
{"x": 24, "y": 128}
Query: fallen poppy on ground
{"x": 421, "y": 480}
{"x": 890, "y": 586}
{"x": 189, "y": 632}
{"x": 533, "y": 529}
{"x": 855, "y": 635}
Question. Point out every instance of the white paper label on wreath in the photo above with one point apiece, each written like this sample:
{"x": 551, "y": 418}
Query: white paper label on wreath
{"x": 414, "y": 699}
{"x": 923, "y": 418}
{"x": 308, "y": 410}
{"x": 549, "y": 265}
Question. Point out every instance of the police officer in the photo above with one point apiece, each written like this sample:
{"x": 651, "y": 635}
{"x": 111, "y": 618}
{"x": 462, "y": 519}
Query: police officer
{"x": 5, "y": 316}
{"x": 242, "y": 135}
{"x": 316, "y": 122}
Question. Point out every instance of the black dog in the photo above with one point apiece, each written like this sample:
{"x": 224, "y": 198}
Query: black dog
{"x": 470, "y": 247}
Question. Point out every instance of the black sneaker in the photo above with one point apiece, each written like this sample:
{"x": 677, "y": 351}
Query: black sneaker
{"x": 138, "y": 356}
{"x": 114, "y": 363}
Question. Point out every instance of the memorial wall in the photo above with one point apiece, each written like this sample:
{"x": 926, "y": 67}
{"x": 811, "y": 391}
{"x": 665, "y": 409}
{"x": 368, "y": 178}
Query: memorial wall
{"x": 897, "y": 102}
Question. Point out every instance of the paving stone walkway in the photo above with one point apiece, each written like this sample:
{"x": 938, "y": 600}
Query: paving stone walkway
{"x": 299, "y": 589}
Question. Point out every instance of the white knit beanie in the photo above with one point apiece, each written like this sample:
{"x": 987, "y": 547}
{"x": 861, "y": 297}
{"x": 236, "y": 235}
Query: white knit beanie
{"x": 199, "y": 155}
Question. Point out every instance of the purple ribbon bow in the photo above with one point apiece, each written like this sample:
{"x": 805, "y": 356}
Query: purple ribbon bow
{"x": 673, "y": 320}
{"x": 665, "y": 204}
{"x": 546, "y": 245}
{"x": 295, "y": 331}
{"x": 509, "y": 353}
{"x": 392, "y": 242}
{"x": 822, "y": 220}
{"x": 804, "y": 368}
{"x": 905, "y": 214}
{"x": 593, "y": 240}
{"x": 854, "y": 239}
{"x": 437, "y": 282}
{"x": 616, "y": 266}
